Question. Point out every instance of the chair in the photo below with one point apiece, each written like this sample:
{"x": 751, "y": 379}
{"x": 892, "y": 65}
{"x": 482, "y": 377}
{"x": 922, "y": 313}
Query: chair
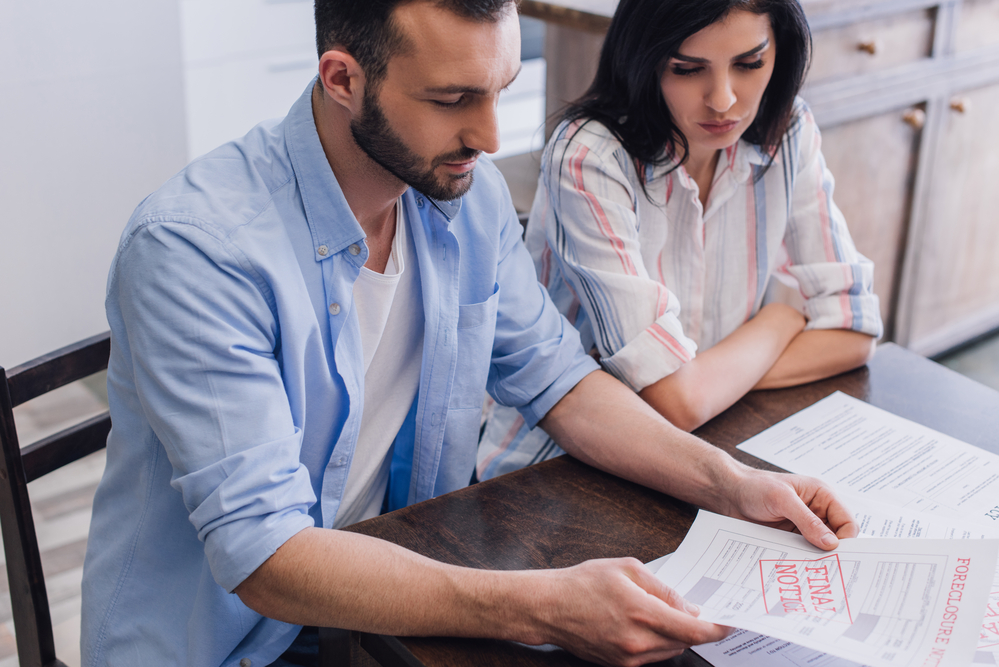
{"x": 29, "y": 601}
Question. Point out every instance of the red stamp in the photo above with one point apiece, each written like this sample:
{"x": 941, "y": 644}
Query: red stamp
{"x": 989, "y": 636}
{"x": 805, "y": 587}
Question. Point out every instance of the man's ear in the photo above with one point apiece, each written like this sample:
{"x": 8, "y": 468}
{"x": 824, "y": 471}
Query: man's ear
{"x": 342, "y": 79}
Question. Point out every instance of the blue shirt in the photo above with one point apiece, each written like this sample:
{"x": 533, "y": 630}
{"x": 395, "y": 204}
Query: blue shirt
{"x": 236, "y": 382}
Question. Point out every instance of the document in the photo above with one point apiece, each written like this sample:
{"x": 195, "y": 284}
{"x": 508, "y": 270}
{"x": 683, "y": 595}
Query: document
{"x": 861, "y": 450}
{"x": 750, "y": 649}
{"x": 878, "y": 602}
{"x": 900, "y": 478}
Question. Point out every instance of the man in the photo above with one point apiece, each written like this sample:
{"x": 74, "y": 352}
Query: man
{"x": 304, "y": 323}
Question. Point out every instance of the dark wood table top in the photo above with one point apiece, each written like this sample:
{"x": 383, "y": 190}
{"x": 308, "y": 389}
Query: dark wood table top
{"x": 562, "y": 512}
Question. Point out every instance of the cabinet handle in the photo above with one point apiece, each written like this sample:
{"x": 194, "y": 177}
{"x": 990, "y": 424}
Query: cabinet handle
{"x": 870, "y": 46}
{"x": 960, "y": 104}
{"x": 915, "y": 118}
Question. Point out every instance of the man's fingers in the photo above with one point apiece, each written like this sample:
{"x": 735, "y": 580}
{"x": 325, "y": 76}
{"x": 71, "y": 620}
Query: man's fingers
{"x": 811, "y": 526}
{"x": 679, "y": 621}
{"x": 651, "y": 584}
{"x": 823, "y": 502}
{"x": 840, "y": 519}
{"x": 685, "y": 628}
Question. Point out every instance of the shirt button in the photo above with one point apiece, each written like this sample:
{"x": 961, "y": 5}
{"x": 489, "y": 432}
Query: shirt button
{"x": 246, "y": 662}
{"x": 354, "y": 249}
{"x": 419, "y": 202}
{"x": 334, "y": 309}
{"x": 323, "y": 251}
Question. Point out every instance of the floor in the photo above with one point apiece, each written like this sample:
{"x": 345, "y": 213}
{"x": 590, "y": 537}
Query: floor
{"x": 979, "y": 361}
{"x": 61, "y": 501}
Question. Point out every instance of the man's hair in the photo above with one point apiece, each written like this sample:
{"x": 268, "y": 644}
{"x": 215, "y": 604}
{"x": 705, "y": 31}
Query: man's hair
{"x": 626, "y": 96}
{"x": 365, "y": 30}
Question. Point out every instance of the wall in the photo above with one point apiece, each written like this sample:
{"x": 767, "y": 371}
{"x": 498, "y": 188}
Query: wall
{"x": 102, "y": 101}
{"x": 92, "y": 106}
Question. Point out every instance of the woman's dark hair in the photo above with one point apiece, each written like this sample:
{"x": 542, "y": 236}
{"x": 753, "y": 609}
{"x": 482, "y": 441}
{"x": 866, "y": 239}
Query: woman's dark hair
{"x": 626, "y": 97}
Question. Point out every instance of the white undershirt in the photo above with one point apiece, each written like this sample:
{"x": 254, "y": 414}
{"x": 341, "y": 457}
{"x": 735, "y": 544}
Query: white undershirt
{"x": 390, "y": 314}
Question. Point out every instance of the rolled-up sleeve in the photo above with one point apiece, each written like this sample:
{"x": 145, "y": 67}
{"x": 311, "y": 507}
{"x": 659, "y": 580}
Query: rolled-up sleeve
{"x": 835, "y": 279}
{"x": 592, "y": 227}
{"x": 537, "y": 355}
{"x": 202, "y": 335}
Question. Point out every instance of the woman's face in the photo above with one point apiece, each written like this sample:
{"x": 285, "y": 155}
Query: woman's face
{"x": 714, "y": 83}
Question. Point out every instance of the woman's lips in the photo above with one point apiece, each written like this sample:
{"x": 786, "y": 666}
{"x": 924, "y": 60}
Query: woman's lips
{"x": 719, "y": 128}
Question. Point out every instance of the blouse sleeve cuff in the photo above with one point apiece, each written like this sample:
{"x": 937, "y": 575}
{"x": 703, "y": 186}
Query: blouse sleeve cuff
{"x": 652, "y": 355}
{"x": 840, "y": 296}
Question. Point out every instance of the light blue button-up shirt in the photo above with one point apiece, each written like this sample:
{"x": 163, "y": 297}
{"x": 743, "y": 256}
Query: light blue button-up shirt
{"x": 236, "y": 383}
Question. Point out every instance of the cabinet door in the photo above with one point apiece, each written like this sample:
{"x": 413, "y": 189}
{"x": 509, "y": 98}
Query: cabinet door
{"x": 955, "y": 295}
{"x": 873, "y": 161}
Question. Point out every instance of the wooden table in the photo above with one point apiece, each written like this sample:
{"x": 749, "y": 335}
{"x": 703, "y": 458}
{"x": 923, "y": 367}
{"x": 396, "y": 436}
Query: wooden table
{"x": 562, "y": 512}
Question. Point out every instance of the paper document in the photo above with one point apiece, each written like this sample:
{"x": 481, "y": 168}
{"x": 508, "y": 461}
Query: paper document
{"x": 750, "y": 649}
{"x": 864, "y": 451}
{"x": 873, "y": 458}
{"x": 879, "y": 602}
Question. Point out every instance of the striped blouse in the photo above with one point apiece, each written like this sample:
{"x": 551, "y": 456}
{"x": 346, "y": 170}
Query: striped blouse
{"x": 649, "y": 280}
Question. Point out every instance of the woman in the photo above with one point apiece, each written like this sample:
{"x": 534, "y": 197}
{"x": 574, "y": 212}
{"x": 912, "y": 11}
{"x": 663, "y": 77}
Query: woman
{"x": 684, "y": 220}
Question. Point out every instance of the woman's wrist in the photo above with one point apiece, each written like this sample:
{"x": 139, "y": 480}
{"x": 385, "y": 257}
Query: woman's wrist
{"x": 784, "y": 320}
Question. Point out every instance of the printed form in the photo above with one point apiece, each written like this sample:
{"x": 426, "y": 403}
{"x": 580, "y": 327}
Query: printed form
{"x": 861, "y": 450}
{"x": 879, "y": 602}
{"x": 932, "y": 484}
{"x": 750, "y": 649}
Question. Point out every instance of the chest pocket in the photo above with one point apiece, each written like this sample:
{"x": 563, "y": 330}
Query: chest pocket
{"x": 476, "y": 330}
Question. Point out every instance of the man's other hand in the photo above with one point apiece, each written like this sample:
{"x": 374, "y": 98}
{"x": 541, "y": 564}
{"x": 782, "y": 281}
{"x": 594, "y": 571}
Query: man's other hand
{"x": 616, "y": 612}
{"x": 792, "y": 502}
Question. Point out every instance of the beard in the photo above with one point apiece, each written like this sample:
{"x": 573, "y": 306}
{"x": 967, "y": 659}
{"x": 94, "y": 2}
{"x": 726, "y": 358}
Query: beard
{"x": 376, "y": 138}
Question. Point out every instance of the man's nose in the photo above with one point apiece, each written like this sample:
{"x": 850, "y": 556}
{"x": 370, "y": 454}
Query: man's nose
{"x": 482, "y": 131}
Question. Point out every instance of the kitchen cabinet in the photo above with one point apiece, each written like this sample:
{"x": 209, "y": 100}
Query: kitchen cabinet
{"x": 903, "y": 91}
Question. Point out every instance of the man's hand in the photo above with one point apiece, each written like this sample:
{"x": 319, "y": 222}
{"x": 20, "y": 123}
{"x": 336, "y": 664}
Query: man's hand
{"x": 606, "y": 425}
{"x": 616, "y": 612}
{"x": 792, "y": 502}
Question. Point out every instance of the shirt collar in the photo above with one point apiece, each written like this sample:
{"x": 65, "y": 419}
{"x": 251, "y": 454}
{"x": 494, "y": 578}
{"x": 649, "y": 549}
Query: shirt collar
{"x": 330, "y": 219}
{"x": 740, "y": 158}
{"x": 450, "y": 209}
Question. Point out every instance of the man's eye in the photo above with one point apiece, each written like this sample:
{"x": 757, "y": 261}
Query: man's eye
{"x": 685, "y": 71}
{"x": 449, "y": 104}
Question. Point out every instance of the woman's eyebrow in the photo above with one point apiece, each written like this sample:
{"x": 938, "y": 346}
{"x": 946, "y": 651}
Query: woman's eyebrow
{"x": 752, "y": 52}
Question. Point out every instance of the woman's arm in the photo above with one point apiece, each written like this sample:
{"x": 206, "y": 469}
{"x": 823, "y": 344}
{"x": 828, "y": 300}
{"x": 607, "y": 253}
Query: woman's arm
{"x": 718, "y": 377}
{"x": 818, "y": 354}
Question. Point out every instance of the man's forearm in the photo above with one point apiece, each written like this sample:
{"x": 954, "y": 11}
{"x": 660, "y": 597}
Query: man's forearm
{"x": 608, "y": 426}
{"x": 608, "y": 611}
{"x": 338, "y": 579}
{"x": 605, "y": 424}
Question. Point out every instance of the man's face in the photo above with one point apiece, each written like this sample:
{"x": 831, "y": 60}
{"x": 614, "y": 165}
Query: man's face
{"x": 434, "y": 112}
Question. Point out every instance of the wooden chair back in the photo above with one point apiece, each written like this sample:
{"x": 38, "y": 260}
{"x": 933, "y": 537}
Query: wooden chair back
{"x": 29, "y": 600}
